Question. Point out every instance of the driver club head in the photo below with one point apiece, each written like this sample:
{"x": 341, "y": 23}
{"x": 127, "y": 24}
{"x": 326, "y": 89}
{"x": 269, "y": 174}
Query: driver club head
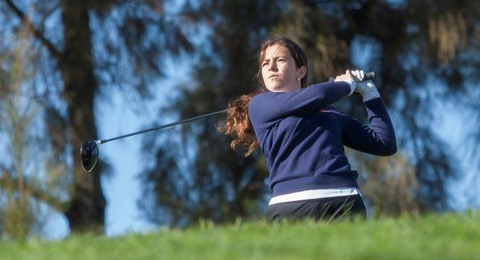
{"x": 89, "y": 154}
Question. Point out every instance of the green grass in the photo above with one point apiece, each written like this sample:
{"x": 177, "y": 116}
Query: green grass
{"x": 449, "y": 236}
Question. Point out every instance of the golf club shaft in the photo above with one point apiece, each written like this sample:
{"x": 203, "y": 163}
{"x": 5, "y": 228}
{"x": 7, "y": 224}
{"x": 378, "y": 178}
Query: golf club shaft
{"x": 162, "y": 126}
{"x": 368, "y": 76}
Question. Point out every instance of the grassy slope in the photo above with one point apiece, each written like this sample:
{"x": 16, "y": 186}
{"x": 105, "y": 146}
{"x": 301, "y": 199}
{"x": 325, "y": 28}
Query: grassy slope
{"x": 450, "y": 236}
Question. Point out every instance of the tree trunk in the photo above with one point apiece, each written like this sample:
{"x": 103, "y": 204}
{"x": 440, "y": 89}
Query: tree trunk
{"x": 86, "y": 211}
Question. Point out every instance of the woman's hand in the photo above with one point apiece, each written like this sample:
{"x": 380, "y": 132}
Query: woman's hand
{"x": 367, "y": 89}
{"x": 347, "y": 77}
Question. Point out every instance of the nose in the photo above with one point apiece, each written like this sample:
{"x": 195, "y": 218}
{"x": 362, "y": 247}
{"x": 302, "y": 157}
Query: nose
{"x": 272, "y": 66}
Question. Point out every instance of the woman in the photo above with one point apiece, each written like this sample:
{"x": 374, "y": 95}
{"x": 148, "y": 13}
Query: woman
{"x": 302, "y": 136}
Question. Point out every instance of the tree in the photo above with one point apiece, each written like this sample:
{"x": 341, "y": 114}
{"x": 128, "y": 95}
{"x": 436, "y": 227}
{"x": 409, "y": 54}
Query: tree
{"x": 193, "y": 174}
{"x": 419, "y": 50}
{"x": 17, "y": 210}
{"x": 86, "y": 47}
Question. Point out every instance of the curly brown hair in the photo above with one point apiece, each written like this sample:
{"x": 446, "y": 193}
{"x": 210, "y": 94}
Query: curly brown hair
{"x": 237, "y": 124}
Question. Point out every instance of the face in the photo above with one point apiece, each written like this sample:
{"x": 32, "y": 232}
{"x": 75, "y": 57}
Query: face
{"x": 279, "y": 71}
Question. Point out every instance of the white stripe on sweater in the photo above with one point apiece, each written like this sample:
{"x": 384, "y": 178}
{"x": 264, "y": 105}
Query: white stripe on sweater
{"x": 314, "y": 194}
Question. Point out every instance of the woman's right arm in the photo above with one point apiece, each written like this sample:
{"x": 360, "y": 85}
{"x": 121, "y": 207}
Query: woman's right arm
{"x": 271, "y": 106}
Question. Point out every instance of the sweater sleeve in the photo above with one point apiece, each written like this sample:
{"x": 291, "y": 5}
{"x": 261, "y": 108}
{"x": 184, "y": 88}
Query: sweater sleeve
{"x": 272, "y": 106}
{"x": 378, "y": 137}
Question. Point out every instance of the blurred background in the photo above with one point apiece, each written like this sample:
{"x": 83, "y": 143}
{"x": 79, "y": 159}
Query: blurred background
{"x": 73, "y": 70}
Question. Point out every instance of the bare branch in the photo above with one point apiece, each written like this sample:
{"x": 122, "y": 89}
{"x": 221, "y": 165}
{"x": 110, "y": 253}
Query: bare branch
{"x": 36, "y": 32}
{"x": 7, "y": 183}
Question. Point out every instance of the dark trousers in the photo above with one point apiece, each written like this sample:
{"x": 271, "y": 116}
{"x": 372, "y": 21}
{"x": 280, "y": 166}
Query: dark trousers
{"x": 325, "y": 209}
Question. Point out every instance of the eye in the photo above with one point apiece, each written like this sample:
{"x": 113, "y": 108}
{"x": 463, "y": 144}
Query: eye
{"x": 265, "y": 63}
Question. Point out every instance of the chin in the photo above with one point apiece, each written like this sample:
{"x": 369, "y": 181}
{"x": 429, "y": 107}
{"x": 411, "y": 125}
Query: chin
{"x": 274, "y": 88}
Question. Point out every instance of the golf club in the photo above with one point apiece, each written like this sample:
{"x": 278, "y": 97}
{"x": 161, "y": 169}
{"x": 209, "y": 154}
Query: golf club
{"x": 89, "y": 150}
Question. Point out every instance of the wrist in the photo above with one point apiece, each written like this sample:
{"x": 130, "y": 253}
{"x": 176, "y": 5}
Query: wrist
{"x": 370, "y": 95}
{"x": 352, "y": 84}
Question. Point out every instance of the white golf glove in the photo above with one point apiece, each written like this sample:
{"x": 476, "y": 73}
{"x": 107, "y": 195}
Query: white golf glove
{"x": 358, "y": 75}
{"x": 367, "y": 89}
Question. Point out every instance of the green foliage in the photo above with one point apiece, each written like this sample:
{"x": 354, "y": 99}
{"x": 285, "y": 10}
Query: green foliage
{"x": 449, "y": 236}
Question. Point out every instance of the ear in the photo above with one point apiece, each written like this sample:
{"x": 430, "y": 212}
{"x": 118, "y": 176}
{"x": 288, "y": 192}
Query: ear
{"x": 301, "y": 72}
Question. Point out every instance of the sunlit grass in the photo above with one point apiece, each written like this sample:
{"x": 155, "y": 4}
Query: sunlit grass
{"x": 449, "y": 236}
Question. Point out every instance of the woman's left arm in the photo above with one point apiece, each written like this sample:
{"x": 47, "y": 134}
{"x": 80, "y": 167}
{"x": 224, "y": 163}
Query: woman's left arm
{"x": 378, "y": 137}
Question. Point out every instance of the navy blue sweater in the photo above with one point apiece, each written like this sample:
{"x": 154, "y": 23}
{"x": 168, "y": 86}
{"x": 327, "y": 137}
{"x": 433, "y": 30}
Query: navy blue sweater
{"x": 302, "y": 137}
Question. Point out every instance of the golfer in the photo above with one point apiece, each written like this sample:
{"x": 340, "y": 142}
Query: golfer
{"x": 302, "y": 137}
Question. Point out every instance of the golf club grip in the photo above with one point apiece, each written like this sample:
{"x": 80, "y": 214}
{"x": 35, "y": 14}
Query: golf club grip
{"x": 369, "y": 76}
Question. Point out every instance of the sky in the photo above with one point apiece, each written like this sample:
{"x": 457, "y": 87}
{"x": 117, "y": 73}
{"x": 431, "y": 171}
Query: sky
{"x": 123, "y": 189}
{"x": 452, "y": 128}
